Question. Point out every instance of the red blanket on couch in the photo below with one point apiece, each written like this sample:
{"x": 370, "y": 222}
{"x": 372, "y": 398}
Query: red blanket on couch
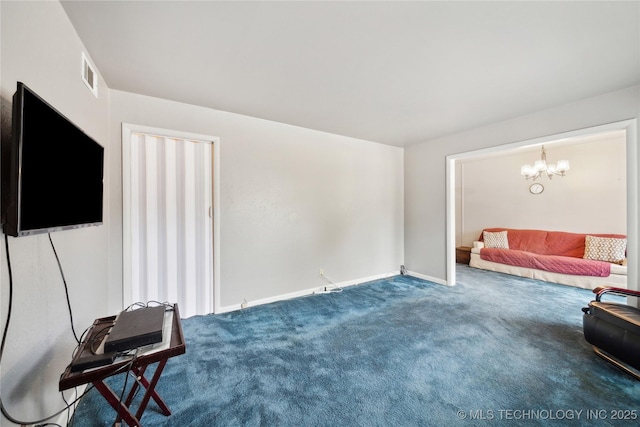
{"x": 553, "y": 263}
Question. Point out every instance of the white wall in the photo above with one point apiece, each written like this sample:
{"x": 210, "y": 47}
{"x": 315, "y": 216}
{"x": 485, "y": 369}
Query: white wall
{"x": 293, "y": 200}
{"x": 425, "y": 169}
{"x": 41, "y": 49}
{"x": 590, "y": 199}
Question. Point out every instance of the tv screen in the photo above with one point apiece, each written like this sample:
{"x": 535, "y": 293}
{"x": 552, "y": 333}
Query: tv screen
{"x": 56, "y": 171}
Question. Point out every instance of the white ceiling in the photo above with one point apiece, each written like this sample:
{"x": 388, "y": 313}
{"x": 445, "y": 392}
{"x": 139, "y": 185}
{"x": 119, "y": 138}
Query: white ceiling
{"x": 398, "y": 73}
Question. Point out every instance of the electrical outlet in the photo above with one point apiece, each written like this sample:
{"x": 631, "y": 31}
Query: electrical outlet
{"x": 322, "y": 271}
{"x": 244, "y": 304}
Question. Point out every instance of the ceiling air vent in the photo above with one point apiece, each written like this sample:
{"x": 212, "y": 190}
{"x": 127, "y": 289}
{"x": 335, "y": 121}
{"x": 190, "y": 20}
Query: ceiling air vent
{"x": 89, "y": 76}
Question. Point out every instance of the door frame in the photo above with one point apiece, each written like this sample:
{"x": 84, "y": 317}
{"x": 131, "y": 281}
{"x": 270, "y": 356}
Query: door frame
{"x": 633, "y": 244}
{"x": 127, "y": 130}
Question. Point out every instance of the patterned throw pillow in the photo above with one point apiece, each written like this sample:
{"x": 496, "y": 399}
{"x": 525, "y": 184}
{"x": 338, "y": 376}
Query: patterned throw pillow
{"x": 496, "y": 239}
{"x": 608, "y": 249}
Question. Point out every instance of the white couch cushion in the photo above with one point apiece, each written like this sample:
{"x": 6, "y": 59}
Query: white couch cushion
{"x": 496, "y": 239}
{"x": 608, "y": 249}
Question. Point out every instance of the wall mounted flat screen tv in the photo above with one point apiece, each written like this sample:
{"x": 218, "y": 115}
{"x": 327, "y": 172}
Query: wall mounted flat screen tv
{"x": 56, "y": 171}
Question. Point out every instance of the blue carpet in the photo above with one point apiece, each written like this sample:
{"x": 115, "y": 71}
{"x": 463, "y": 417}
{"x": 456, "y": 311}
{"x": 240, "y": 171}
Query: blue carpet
{"x": 493, "y": 350}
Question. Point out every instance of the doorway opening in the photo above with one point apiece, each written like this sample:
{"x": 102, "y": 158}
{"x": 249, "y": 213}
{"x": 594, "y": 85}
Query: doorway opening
{"x": 171, "y": 245}
{"x": 628, "y": 127}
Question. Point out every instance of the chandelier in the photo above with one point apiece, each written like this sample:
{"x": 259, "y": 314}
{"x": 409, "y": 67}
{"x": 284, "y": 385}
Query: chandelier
{"x": 541, "y": 167}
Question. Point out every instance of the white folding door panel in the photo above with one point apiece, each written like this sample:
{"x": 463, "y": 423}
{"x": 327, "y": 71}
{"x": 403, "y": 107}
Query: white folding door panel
{"x": 170, "y": 197}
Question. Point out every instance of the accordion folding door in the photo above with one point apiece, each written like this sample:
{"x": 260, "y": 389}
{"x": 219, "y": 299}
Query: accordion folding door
{"x": 169, "y": 222}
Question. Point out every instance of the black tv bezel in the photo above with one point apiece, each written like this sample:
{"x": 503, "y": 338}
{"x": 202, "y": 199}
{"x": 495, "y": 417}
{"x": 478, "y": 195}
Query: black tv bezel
{"x": 12, "y": 203}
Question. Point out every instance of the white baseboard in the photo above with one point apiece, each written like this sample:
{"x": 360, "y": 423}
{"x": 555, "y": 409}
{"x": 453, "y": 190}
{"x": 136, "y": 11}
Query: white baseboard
{"x": 428, "y": 278}
{"x": 302, "y": 293}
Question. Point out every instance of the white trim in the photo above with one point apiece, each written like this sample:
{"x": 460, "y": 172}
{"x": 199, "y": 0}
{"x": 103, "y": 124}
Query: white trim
{"x": 216, "y": 226}
{"x": 306, "y": 292}
{"x": 169, "y": 133}
{"x": 427, "y": 278}
{"x": 127, "y": 129}
{"x": 633, "y": 230}
{"x": 630, "y": 126}
{"x": 450, "y": 220}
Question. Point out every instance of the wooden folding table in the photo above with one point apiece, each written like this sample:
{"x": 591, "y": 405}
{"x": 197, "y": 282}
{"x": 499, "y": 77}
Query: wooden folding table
{"x": 138, "y": 367}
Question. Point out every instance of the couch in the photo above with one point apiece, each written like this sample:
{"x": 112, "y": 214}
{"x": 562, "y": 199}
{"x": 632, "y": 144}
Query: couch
{"x": 582, "y": 260}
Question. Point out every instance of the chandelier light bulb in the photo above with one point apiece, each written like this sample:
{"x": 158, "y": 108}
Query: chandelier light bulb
{"x": 562, "y": 166}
